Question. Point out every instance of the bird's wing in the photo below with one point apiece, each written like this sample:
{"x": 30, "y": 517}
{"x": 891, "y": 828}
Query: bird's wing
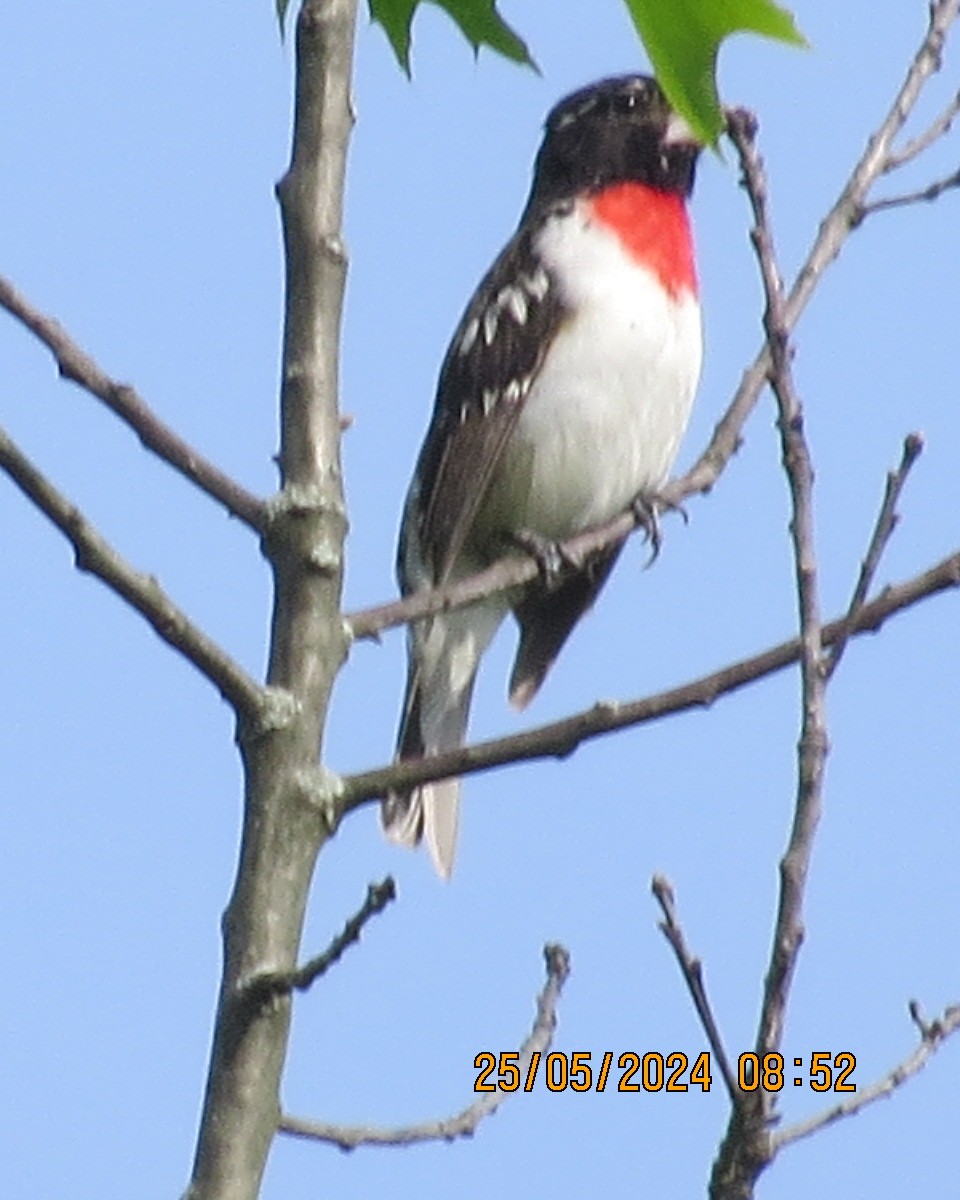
{"x": 494, "y": 357}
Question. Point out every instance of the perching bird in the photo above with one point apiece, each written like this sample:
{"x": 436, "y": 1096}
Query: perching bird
{"x": 562, "y": 400}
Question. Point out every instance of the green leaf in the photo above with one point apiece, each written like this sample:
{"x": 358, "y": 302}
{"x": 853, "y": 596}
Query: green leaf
{"x": 683, "y": 38}
{"x": 479, "y": 22}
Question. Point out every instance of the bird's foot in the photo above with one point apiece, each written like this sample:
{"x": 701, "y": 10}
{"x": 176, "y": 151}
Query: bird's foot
{"x": 549, "y": 555}
{"x": 646, "y": 509}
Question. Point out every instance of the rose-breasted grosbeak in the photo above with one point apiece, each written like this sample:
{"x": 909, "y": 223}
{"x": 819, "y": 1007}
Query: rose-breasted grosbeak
{"x": 562, "y": 400}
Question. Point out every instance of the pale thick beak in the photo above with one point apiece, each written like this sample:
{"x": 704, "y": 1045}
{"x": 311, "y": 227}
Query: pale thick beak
{"x": 679, "y": 133}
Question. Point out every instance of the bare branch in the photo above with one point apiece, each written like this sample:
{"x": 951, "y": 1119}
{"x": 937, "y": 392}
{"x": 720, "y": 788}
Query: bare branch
{"x": 284, "y": 827}
{"x": 465, "y": 1123}
{"x": 932, "y": 1037}
{"x": 747, "y": 1146}
{"x": 746, "y": 1149}
{"x": 834, "y": 230}
{"x": 559, "y": 739}
{"x": 845, "y": 214}
{"x": 95, "y": 555}
{"x": 812, "y": 748}
{"x": 932, "y": 191}
{"x": 886, "y": 522}
{"x": 691, "y": 969}
{"x": 505, "y": 573}
{"x": 76, "y": 365}
{"x": 278, "y": 983}
{"x": 934, "y": 131}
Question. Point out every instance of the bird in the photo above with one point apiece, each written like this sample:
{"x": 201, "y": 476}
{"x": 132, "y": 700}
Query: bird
{"x": 561, "y": 402}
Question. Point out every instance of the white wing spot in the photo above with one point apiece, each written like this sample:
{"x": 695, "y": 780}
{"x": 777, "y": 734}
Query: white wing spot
{"x": 490, "y": 324}
{"x": 469, "y": 337}
{"x": 537, "y": 284}
{"x": 489, "y": 400}
{"x": 512, "y": 392}
{"x": 516, "y": 302}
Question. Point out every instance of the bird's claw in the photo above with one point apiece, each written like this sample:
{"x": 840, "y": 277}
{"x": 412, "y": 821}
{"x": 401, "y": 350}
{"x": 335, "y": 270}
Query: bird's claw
{"x": 646, "y": 509}
{"x": 548, "y": 554}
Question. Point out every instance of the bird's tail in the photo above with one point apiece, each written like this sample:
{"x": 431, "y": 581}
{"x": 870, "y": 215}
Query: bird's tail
{"x": 444, "y": 656}
{"x": 546, "y": 620}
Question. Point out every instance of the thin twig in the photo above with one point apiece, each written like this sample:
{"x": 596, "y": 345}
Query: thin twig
{"x": 746, "y": 1148}
{"x": 76, "y": 365}
{"x": 465, "y": 1123}
{"x": 932, "y": 1037}
{"x": 883, "y": 528}
{"x": 691, "y": 969}
{"x": 932, "y": 191}
{"x": 845, "y": 214}
{"x": 95, "y": 555}
{"x": 812, "y": 746}
{"x": 503, "y": 574}
{"x": 279, "y": 983}
{"x": 937, "y": 129}
{"x": 559, "y": 739}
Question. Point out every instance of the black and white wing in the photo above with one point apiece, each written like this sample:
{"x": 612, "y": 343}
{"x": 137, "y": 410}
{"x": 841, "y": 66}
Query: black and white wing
{"x": 492, "y": 361}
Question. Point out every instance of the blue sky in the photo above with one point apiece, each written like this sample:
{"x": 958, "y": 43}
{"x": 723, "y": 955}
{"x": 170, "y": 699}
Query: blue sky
{"x": 138, "y": 150}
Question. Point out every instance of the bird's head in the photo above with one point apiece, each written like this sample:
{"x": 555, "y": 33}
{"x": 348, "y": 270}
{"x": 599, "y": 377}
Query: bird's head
{"x": 618, "y": 130}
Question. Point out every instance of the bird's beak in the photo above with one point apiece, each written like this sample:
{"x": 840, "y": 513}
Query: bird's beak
{"x": 679, "y": 133}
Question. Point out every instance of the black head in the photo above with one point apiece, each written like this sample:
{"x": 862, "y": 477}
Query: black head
{"x": 610, "y": 132}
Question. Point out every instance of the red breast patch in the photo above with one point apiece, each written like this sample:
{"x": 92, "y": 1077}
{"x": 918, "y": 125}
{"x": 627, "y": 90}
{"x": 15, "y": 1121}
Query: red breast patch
{"x": 654, "y": 228}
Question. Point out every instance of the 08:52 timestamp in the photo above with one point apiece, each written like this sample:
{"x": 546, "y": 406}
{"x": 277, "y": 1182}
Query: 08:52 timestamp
{"x": 656, "y": 1072}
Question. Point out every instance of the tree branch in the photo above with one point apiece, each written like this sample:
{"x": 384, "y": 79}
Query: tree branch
{"x": 932, "y": 191}
{"x": 505, "y": 573}
{"x": 845, "y": 214}
{"x": 280, "y": 983}
{"x": 691, "y": 968}
{"x": 465, "y": 1123}
{"x": 937, "y": 129}
{"x": 95, "y": 555}
{"x": 284, "y": 818}
{"x": 886, "y": 522}
{"x": 561, "y": 738}
{"x": 812, "y": 748}
{"x": 746, "y": 1149}
{"x": 932, "y": 1037}
{"x": 76, "y": 365}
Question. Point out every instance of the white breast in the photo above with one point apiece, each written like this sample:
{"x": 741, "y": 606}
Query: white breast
{"x": 604, "y": 419}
